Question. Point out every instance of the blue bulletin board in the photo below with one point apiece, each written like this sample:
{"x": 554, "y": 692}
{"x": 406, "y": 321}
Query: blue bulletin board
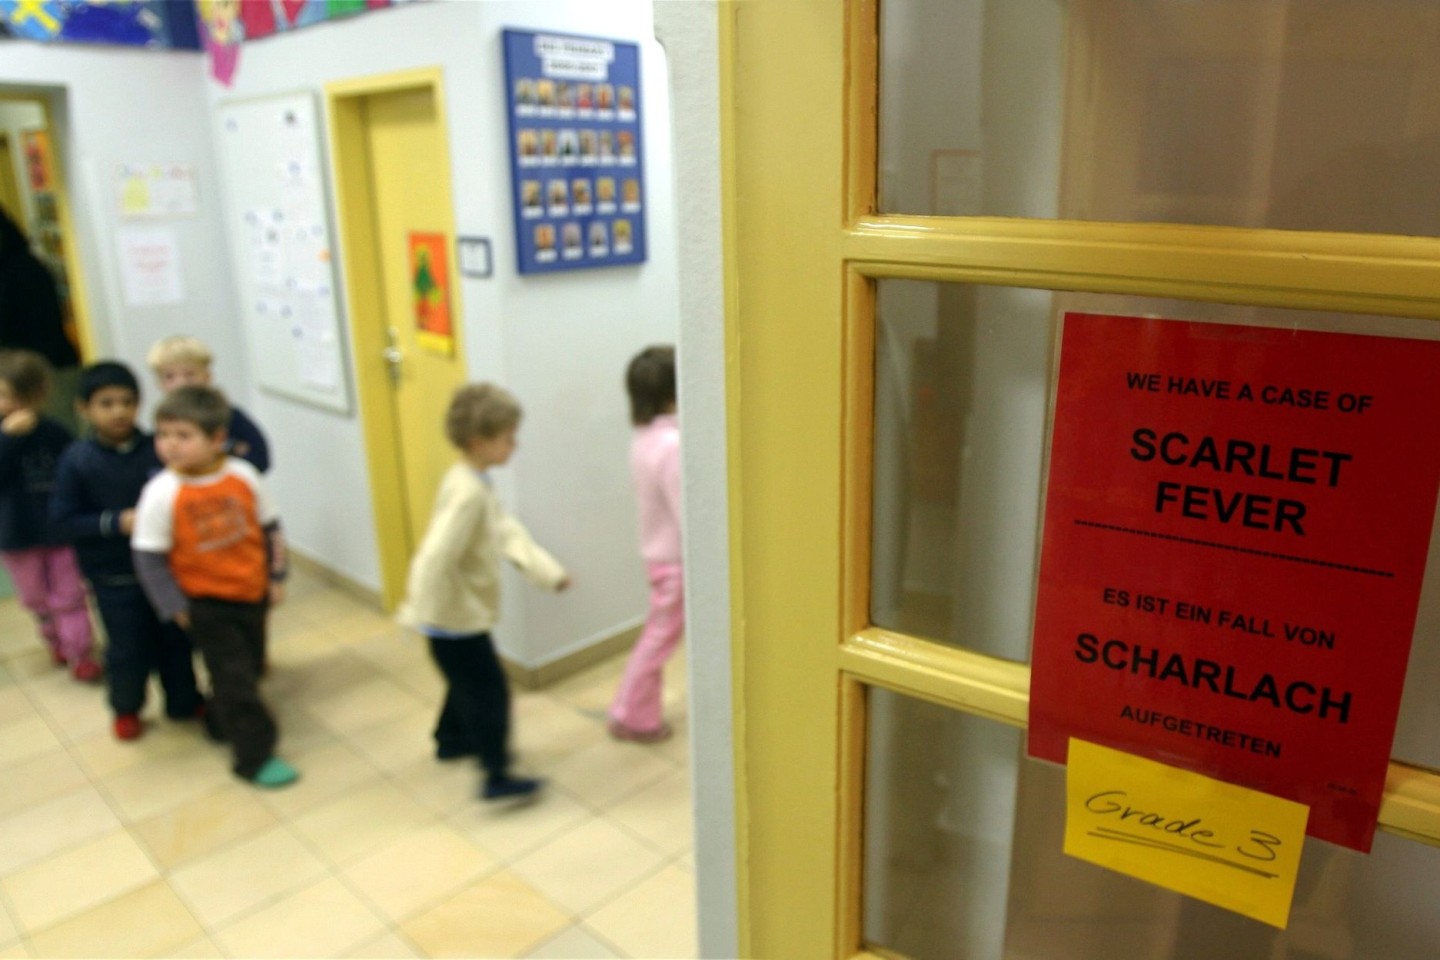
{"x": 577, "y": 163}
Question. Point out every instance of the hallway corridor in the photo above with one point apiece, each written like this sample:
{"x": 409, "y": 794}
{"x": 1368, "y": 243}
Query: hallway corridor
{"x": 153, "y": 849}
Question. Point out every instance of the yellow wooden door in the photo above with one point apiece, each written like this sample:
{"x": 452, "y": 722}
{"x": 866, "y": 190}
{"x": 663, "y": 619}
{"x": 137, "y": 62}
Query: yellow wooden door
{"x": 806, "y": 252}
{"x": 393, "y": 168}
{"x": 9, "y": 187}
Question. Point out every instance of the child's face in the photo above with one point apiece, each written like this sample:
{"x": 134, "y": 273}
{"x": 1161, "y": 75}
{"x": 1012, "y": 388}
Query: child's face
{"x": 183, "y": 373}
{"x": 9, "y": 402}
{"x": 185, "y": 448}
{"x": 486, "y": 452}
{"x": 110, "y": 411}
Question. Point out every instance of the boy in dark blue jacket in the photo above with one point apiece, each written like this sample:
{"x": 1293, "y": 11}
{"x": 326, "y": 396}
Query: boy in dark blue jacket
{"x": 97, "y": 486}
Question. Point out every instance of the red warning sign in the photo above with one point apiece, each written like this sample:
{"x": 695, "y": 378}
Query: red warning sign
{"x": 1236, "y": 527}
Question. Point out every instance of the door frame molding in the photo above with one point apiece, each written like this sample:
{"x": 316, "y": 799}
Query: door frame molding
{"x": 60, "y": 146}
{"x": 364, "y": 296}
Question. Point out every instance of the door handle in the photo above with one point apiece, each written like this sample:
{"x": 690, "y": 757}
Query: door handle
{"x": 393, "y": 355}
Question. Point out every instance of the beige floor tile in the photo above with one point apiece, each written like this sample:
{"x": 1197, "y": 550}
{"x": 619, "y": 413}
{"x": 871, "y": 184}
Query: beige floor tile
{"x": 9, "y": 932}
{"x": 609, "y": 770}
{"x": 576, "y": 941}
{"x": 362, "y": 820}
{"x": 201, "y": 949}
{"x": 591, "y": 689}
{"x": 30, "y": 663}
{"x": 186, "y": 774}
{"x": 510, "y": 832}
{"x": 360, "y": 625}
{"x": 499, "y": 916}
{"x": 322, "y": 920}
{"x": 245, "y": 875}
{"x": 146, "y": 922}
{"x": 299, "y": 729}
{"x": 78, "y": 879}
{"x": 203, "y": 825}
{"x": 418, "y": 870}
{"x": 660, "y": 814}
{"x": 14, "y": 705}
{"x": 394, "y": 650}
{"x": 39, "y": 779}
{"x": 443, "y": 787}
{"x": 16, "y": 951}
{"x": 52, "y": 826}
{"x": 76, "y": 710}
{"x": 400, "y": 743}
{"x": 655, "y": 918}
{"x": 103, "y": 756}
{"x": 547, "y": 729}
{"x": 587, "y": 865}
{"x": 26, "y": 738}
{"x": 327, "y": 675}
{"x": 686, "y": 861}
{"x": 426, "y": 682}
{"x": 326, "y": 771}
{"x": 387, "y": 946}
{"x": 364, "y": 706}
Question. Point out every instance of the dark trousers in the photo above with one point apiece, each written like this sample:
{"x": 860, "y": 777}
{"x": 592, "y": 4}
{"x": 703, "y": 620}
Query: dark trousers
{"x": 138, "y": 643}
{"x": 476, "y": 715}
{"x": 231, "y": 638}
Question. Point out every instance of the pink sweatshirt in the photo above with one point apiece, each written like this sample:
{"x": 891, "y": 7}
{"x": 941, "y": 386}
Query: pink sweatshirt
{"x": 655, "y": 464}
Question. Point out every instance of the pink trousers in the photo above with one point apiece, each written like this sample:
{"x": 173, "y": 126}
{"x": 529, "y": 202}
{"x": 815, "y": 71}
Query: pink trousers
{"x": 637, "y": 702}
{"x": 49, "y": 584}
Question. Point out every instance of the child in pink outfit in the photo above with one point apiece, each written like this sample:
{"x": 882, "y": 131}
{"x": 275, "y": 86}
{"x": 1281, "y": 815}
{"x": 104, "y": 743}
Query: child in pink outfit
{"x": 46, "y": 575}
{"x": 655, "y": 463}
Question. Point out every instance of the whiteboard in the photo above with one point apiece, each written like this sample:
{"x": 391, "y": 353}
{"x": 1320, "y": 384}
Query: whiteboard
{"x": 277, "y": 218}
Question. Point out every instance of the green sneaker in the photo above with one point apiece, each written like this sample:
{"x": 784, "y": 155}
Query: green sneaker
{"x": 275, "y": 773}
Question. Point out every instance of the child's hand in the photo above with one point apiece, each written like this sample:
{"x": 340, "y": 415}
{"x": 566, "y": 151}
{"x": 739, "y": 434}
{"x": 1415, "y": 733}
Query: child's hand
{"x": 127, "y": 522}
{"x": 19, "y": 423}
{"x": 182, "y": 620}
{"x": 564, "y": 584}
{"x": 277, "y": 593}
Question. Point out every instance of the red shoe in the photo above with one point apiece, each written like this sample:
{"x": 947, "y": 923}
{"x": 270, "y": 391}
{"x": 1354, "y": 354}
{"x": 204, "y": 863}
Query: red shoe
{"x": 86, "y": 670}
{"x": 128, "y": 727}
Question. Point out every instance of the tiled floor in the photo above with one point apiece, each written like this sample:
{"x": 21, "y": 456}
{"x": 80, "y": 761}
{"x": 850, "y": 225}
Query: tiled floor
{"x": 153, "y": 849}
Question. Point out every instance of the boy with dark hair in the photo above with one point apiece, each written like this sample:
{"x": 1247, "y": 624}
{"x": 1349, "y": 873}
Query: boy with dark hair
{"x": 97, "y": 484}
{"x": 209, "y": 554}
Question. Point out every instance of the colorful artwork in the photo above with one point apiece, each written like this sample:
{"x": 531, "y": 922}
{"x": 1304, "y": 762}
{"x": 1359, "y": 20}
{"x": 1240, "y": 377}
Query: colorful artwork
{"x": 36, "y": 146}
{"x": 225, "y": 24}
{"x": 430, "y": 289}
{"x": 131, "y": 23}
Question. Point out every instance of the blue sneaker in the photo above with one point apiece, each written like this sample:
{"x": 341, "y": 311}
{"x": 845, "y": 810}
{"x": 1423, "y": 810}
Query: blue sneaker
{"x": 274, "y": 773}
{"x": 511, "y": 788}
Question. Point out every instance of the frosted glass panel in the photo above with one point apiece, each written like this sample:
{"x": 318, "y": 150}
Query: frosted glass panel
{"x": 1313, "y": 115}
{"x": 963, "y": 861}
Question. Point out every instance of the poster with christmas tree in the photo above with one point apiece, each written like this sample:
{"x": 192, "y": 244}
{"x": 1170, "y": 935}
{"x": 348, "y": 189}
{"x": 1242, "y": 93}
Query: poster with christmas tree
{"x": 430, "y": 292}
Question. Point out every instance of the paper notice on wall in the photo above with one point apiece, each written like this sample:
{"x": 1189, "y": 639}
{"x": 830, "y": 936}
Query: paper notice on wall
{"x": 150, "y": 266}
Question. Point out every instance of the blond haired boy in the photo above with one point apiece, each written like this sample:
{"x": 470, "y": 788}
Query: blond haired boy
{"x": 453, "y": 592}
{"x": 181, "y": 361}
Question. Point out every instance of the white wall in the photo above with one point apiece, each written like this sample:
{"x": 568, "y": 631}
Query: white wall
{"x": 560, "y": 341}
{"x": 689, "y": 32}
{"x": 113, "y": 105}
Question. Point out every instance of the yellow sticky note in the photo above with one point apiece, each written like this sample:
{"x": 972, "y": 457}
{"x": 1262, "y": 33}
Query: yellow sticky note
{"x": 1231, "y": 846}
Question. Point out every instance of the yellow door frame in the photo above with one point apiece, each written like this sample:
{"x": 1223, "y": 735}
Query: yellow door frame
{"x": 74, "y": 266}
{"x": 803, "y": 248}
{"x": 359, "y": 244}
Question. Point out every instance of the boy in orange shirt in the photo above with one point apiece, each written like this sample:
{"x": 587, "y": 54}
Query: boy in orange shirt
{"x": 208, "y": 552}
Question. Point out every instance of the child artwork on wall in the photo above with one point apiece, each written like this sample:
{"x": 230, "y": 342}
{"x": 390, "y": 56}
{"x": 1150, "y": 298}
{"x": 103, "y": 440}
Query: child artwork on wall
{"x": 430, "y": 292}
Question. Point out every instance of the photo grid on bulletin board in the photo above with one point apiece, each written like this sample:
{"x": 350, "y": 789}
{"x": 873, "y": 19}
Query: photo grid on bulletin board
{"x": 576, "y": 151}
{"x": 277, "y": 218}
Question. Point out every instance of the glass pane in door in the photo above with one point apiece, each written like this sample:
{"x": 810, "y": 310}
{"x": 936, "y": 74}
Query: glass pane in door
{"x": 962, "y": 381}
{"x": 1314, "y": 115}
{"x": 963, "y": 839}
